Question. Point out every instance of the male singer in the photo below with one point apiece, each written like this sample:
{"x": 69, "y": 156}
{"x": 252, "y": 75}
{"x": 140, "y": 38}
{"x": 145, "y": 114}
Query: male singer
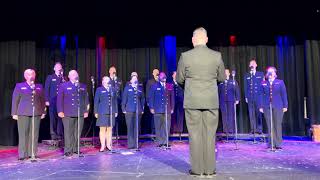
{"x": 273, "y": 91}
{"x": 252, "y": 81}
{"x": 71, "y": 96}
{"x": 178, "y": 114}
{"x": 198, "y": 71}
{"x": 161, "y": 103}
{"x": 229, "y": 95}
{"x": 52, "y": 84}
{"x": 116, "y": 84}
{"x": 115, "y": 81}
{"x": 150, "y": 83}
{"x": 27, "y": 95}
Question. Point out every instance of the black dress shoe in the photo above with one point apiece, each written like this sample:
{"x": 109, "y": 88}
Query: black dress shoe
{"x": 77, "y": 152}
{"x": 68, "y": 154}
{"x": 194, "y": 174}
{"x": 160, "y": 145}
{"x": 101, "y": 150}
{"x": 36, "y": 157}
{"x": 22, "y": 159}
{"x": 165, "y": 145}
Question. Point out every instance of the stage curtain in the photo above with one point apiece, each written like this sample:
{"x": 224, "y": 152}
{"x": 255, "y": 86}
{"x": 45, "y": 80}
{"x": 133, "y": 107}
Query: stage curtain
{"x": 297, "y": 64}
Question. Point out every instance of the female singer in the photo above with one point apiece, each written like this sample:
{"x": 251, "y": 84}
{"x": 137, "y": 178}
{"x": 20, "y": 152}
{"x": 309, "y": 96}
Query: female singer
{"x": 273, "y": 96}
{"x": 133, "y": 102}
{"x": 105, "y": 104}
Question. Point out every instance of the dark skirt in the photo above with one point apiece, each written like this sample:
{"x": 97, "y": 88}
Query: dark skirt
{"x": 104, "y": 120}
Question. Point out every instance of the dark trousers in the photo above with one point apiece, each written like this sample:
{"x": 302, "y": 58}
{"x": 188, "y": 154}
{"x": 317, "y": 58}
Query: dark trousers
{"x": 227, "y": 113}
{"x": 25, "y": 135}
{"x": 56, "y": 125}
{"x": 161, "y": 129}
{"x": 277, "y": 115}
{"x": 255, "y": 117}
{"x": 71, "y": 133}
{"x": 132, "y": 129}
{"x": 178, "y": 118}
{"x": 202, "y": 126}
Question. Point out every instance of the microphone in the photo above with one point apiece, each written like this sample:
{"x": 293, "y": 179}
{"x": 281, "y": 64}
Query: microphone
{"x": 269, "y": 75}
{"x": 32, "y": 85}
{"x": 233, "y": 75}
{"x": 77, "y": 82}
{"x": 251, "y": 70}
{"x": 92, "y": 79}
{"x": 114, "y": 76}
{"x": 61, "y": 76}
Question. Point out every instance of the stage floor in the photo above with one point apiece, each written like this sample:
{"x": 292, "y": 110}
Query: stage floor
{"x": 298, "y": 160}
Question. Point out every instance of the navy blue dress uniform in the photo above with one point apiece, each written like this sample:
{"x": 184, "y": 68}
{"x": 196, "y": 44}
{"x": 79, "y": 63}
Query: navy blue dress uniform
{"x": 276, "y": 93}
{"x": 149, "y": 84}
{"x": 229, "y": 93}
{"x": 178, "y": 114}
{"x": 160, "y": 97}
{"x": 116, "y": 84}
{"x": 252, "y": 83}
{"x": 105, "y": 101}
{"x": 23, "y": 99}
{"x": 51, "y": 91}
{"x": 70, "y": 97}
{"x": 133, "y": 102}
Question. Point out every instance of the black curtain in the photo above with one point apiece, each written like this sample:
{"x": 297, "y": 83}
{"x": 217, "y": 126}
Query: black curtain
{"x": 312, "y": 61}
{"x": 289, "y": 61}
{"x": 298, "y": 66}
{"x": 15, "y": 57}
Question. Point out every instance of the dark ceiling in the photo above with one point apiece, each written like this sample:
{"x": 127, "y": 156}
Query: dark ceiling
{"x": 141, "y": 23}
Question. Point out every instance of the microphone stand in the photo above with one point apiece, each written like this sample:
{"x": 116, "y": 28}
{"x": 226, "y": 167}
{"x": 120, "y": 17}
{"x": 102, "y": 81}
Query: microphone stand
{"x": 93, "y": 125}
{"x": 137, "y": 118}
{"x": 117, "y": 88}
{"x": 271, "y": 118}
{"x": 166, "y": 117}
{"x": 235, "y": 113}
{"x": 252, "y": 106}
{"x": 78, "y": 90}
{"x": 33, "y": 158}
{"x": 225, "y": 105}
{"x": 111, "y": 118}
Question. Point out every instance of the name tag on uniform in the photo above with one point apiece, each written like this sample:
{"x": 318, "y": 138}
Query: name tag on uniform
{"x": 276, "y": 83}
{"x": 130, "y": 90}
{"x": 38, "y": 88}
{"x": 259, "y": 77}
{"x": 23, "y": 88}
{"x": 264, "y": 84}
{"x": 248, "y": 77}
{"x": 158, "y": 89}
{"x": 54, "y": 79}
{"x": 103, "y": 91}
{"x": 82, "y": 89}
{"x": 69, "y": 88}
